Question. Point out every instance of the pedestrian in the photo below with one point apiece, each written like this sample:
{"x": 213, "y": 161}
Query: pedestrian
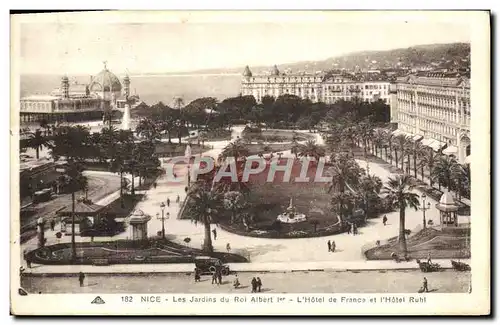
{"x": 259, "y": 284}
{"x": 228, "y": 247}
{"x": 81, "y": 278}
{"x": 354, "y": 229}
{"x": 219, "y": 276}
{"x": 196, "y": 275}
{"x": 329, "y": 246}
{"x": 384, "y": 220}
{"x": 333, "y": 246}
{"x": 215, "y": 233}
{"x": 254, "y": 285}
{"x": 429, "y": 258}
{"x": 52, "y": 224}
{"x": 424, "y": 285}
{"x": 214, "y": 277}
{"x": 178, "y": 199}
{"x": 348, "y": 228}
{"x": 168, "y": 202}
{"x": 154, "y": 185}
{"x": 236, "y": 282}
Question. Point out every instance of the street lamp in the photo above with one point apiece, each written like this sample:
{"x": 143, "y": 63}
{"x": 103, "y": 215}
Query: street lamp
{"x": 424, "y": 208}
{"x": 163, "y": 217}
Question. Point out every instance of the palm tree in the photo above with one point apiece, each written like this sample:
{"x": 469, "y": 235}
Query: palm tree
{"x": 204, "y": 208}
{"x": 75, "y": 181}
{"x": 233, "y": 202}
{"x": 148, "y": 129}
{"x": 428, "y": 159}
{"x": 369, "y": 187}
{"x": 235, "y": 149}
{"x": 388, "y": 145}
{"x": 462, "y": 180}
{"x": 343, "y": 203}
{"x": 401, "y": 143}
{"x": 378, "y": 141}
{"x": 418, "y": 151}
{"x": 398, "y": 190}
{"x": 344, "y": 170}
{"x": 37, "y": 141}
{"x": 445, "y": 171}
{"x": 311, "y": 149}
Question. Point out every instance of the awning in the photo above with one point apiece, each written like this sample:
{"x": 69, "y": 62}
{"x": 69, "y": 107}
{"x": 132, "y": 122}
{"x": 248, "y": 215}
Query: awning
{"x": 436, "y": 145}
{"x": 417, "y": 137}
{"x": 426, "y": 142}
{"x": 468, "y": 159}
{"x": 450, "y": 150}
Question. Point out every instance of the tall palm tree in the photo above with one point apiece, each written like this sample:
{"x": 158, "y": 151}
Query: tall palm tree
{"x": 400, "y": 195}
{"x": 37, "y": 141}
{"x": 311, "y": 149}
{"x": 369, "y": 187}
{"x": 378, "y": 141}
{"x": 418, "y": 151}
{"x": 388, "y": 145}
{"x": 344, "y": 170}
{"x": 234, "y": 202}
{"x": 428, "y": 159}
{"x": 343, "y": 203}
{"x": 205, "y": 209}
{"x": 462, "y": 181}
{"x": 401, "y": 143}
{"x": 445, "y": 171}
{"x": 75, "y": 181}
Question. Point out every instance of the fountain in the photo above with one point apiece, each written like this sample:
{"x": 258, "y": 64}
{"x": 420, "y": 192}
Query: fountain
{"x": 291, "y": 215}
{"x": 126, "y": 118}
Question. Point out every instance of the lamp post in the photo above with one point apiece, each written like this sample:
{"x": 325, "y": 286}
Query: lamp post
{"x": 425, "y": 208}
{"x": 162, "y": 206}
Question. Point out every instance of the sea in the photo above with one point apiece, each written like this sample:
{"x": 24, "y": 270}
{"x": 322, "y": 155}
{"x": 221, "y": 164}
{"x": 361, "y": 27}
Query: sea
{"x": 150, "y": 88}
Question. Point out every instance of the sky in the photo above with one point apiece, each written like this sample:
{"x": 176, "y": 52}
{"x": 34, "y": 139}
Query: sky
{"x": 79, "y": 46}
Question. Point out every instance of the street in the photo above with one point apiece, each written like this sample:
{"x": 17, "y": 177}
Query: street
{"x": 295, "y": 282}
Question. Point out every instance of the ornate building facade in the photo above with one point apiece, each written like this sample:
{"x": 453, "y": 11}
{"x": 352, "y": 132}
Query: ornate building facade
{"x": 76, "y": 102}
{"x": 436, "y": 107}
{"x": 320, "y": 87}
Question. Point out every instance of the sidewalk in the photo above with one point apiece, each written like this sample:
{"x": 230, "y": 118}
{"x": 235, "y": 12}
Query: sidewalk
{"x": 385, "y": 265}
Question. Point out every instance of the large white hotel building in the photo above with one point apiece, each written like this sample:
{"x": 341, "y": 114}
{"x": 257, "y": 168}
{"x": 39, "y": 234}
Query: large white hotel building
{"x": 320, "y": 87}
{"x": 435, "y": 107}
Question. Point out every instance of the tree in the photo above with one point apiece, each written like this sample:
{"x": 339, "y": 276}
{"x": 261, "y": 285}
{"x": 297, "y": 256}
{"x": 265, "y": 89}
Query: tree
{"x": 378, "y": 140}
{"x": 418, "y": 151}
{"x": 445, "y": 171}
{"x": 72, "y": 142}
{"x": 369, "y": 187}
{"x": 74, "y": 181}
{"x": 235, "y": 149}
{"x": 36, "y": 140}
{"x": 401, "y": 142}
{"x": 428, "y": 159}
{"x": 343, "y": 203}
{"x": 345, "y": 170}
{"x": 311, "y": 149}
{"x": 205, "y": 209}
{"x": 399, "y": 194}
{"x": 148, "y": 129}
{"x": 233, "y": 202}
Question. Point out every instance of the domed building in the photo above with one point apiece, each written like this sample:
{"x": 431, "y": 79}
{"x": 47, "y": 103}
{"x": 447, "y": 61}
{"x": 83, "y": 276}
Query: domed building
{"x": 73, "y": 102}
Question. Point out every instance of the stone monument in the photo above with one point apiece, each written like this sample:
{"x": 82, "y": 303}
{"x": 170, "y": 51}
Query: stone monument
{"x": 126, "y": 118}
{"x": 291, "y": 215}
{"x": 139, "y": 222}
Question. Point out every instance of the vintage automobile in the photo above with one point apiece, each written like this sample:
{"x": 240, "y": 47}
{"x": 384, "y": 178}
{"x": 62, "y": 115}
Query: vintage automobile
{"x": 208, "y": 265}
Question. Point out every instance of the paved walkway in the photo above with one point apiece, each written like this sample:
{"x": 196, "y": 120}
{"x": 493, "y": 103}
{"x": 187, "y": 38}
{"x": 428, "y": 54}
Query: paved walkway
{"x": 302, "y": 253}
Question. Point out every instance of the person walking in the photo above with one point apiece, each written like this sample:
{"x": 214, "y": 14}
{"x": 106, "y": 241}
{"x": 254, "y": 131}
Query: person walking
{"x": 228, "y": 247}
{"x": 52, "y": 224}
{"x": 219, "y": 276}
{"x": 254, "y": 285}
{"x": 178, "y": 199}
{"x": 214, "y": 277}
{"x": 424, "y": 285}
{"x": 329, "y": 246}
{"x": 429, "y": 258}
{"x": 215, "y": 234}
{"x": 349, "y": 228}
{"x": 259, "y": 284}
{"x": 384, "y": 220}
{"x": 236, "y": 282}
{"x": 333, "y": 246}
{"x": 168, "y": 202}
{"x": 81, "y": 278}
{"x": 154, "y": 185}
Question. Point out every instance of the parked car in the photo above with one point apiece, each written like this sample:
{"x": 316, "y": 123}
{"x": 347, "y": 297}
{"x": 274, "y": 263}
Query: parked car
{"x": 208, "y": 265}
